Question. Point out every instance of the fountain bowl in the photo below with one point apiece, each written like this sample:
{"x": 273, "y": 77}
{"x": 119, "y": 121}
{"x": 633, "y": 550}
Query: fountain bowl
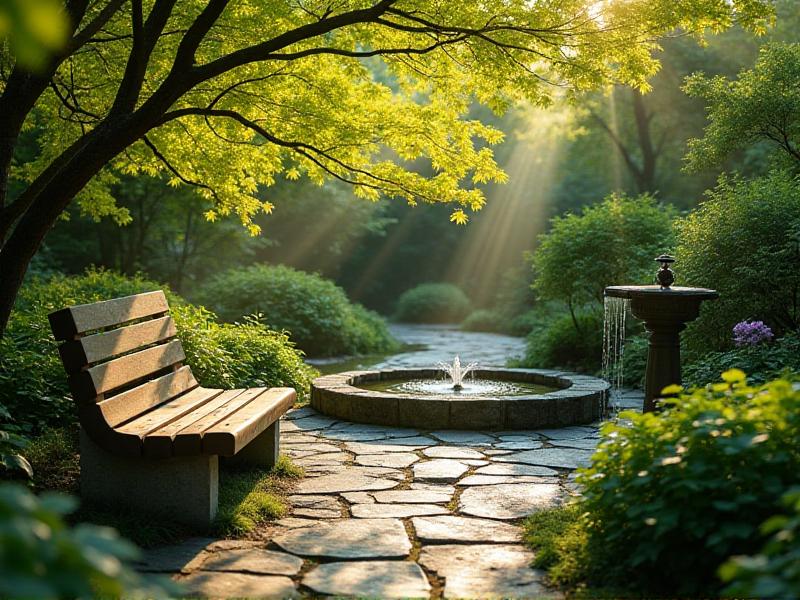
{"x": 574, "y": 399}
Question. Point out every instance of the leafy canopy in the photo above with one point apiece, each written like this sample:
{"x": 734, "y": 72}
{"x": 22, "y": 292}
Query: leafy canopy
{"x": 762, "y": 104}
{"x": 355, "y": 90}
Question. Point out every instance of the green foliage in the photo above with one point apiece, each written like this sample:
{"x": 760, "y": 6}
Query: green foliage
{"x": 558, "y": 538}
{"x": 566, "y": 343}
{"x": 317, "y": 314}
{"x": 775, "y": 571}
{"x": 432, "y": 303}
{"x": 251, "y": 497}
{"x": 743, "y": 241}
{"x": 611, "y": 243}
{"x": 34, "y": 28}
{"x": 33, "y": 385}
{"x": 761, "y": 362}
{"x": 42, "y": 557}
{"x": 482, "y": 319}
{"x": 54, "y": 457}
{"x": 12, "y": 461}
{"x": 670, "y": 496}
{"x": 762, "y": 104}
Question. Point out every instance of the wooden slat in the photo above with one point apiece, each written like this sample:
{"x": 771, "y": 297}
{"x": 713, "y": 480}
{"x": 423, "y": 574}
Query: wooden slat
{"x": 131, "y": 403}
{"x": 75, "y": 320}
{"x": 230, "y": 435}
{"x": 127, "y": 369}
{"x": 126, "y": 440}
{"x": 158, "y": 443}
{"x": 188, "y": 441}
{"x": 77, "y": 354}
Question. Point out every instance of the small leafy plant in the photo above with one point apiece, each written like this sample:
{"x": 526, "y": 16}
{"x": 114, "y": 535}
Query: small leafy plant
{"x": 670, "y": 496}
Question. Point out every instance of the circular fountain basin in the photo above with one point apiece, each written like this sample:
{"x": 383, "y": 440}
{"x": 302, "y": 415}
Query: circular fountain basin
{"x": 493, "y": 399}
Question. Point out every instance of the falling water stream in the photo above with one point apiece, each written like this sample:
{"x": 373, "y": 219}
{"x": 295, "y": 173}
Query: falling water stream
{"x": 615, "y": 311}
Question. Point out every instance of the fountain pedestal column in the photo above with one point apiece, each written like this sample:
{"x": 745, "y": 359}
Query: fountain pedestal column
{"x": 665, "y": 312}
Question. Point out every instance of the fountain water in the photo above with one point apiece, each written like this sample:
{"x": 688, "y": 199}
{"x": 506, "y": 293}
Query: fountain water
{"x": 615, "y": 311}
{"x": 456, "y": 372}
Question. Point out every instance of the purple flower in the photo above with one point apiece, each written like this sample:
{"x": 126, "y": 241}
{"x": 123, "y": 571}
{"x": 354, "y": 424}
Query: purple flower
{"x": 750, "y": 333}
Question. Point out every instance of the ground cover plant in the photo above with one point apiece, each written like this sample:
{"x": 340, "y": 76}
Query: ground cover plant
{"x": 315, "y": 312}
{"x": 671, "y": 496}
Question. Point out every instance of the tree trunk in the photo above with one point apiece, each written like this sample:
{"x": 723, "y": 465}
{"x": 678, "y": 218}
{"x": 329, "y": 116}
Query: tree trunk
{"x": 646, "y": 175}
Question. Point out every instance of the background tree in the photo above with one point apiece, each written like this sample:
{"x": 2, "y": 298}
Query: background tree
{"x": 226, "y": 96}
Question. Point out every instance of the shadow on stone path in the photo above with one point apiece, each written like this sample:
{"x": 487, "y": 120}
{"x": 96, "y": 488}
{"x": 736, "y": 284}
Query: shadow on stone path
{"x": 396, "y": 513}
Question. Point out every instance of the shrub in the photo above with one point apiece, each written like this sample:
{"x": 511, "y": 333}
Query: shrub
{"x": 41, "y": 557}
{"x": 33, "y": 385}
{"x": 432, "y": 303}
{"x": 744, "y": 241}
{"x": 566, "y": 343}
{"x": 670, "y": 496}
{"x": 317, "y": 314}
{"x": 775, "y": 571}
{"x": 761, "y": 362}
{"x": 611, "y": 243}
{"x": 482, "y": 320}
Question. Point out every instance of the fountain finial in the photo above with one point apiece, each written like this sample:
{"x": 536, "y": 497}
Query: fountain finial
{"x": 665, "y": 276}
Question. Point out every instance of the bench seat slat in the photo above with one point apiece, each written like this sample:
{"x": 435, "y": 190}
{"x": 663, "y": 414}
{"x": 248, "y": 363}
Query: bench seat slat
{"x": 233, "y": 433}
{"x": 127, "y": 369}
{"x": 72, "y": 321}
{"x": 77, "y": 354}
{"x": 130, "y": 403}
{"x": 188, "y": 441}
{"x": 169, "y": 411}
{"x": 159, "y": 443}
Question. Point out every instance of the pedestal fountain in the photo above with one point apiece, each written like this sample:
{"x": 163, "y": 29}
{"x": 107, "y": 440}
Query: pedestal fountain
{"x": 665, "y": 311}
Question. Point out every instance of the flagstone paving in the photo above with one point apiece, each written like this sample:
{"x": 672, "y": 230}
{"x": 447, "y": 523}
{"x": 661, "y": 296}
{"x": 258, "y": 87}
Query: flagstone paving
{"x": 393, "y": 513}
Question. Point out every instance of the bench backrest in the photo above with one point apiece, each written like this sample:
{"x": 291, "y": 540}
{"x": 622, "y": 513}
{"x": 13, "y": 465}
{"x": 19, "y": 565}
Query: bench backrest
{"x": 122, "y": 354}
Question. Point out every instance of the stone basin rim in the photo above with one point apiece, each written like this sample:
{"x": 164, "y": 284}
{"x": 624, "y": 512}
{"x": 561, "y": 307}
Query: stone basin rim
{"x": 650, "y": 291}
{"x": 577, "y": 400}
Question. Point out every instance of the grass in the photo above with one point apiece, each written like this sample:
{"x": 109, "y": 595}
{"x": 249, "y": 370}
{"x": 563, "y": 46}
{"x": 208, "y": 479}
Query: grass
{"x": 560, "y": 542}
{"x": 248, "y": 497}
{"x": 54, "y": 458}
{"x": 251, "y": 497}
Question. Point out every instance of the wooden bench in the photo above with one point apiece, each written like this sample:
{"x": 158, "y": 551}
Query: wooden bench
{"x": 151, "y": 436}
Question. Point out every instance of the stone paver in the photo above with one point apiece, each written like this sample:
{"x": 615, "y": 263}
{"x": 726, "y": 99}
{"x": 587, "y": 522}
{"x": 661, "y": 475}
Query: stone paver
{"x": 450, "y": 529}
{"x": 253, "y": 560}
{"x": 343, "y": 482}
{"x": 485, "y": 571}
{"x": 509, "y": 501}
{"x": 396, "y": 460}
{"x": 439, "y": 469}
{"x": 452, "y": 452}
{"x": 415, "y": 496}
{"x": 371, "y": 494}
{"x": 395, "y": 511}
{"x": 564, "y": 458}
{"x": 348, "y": 539}
{"x": 209, "y": 584}
{"x": 373, "y": 579}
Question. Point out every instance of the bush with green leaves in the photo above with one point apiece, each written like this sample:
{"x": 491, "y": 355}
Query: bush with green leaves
{"x": 610, "y": 243}
{"x": 315, "y": 312}
{"x": 568, "y": 342}
{"x": 42, "y": 557}
{"x": 33, "y": 384}
{"x": 432, "y": 303}
{"x": 744, "y": 241}
{"x": 775, "y": 571}
{"x": 670, "y": 496}
{"x": 761, "y": 362}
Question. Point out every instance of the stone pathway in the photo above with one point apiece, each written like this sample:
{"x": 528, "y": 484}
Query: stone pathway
{"x": 396, "y": 513}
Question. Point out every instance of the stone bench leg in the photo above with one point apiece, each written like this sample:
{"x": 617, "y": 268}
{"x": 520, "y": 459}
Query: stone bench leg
{"x": 185, "y": 489}
{"x": 262, "y": 451}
